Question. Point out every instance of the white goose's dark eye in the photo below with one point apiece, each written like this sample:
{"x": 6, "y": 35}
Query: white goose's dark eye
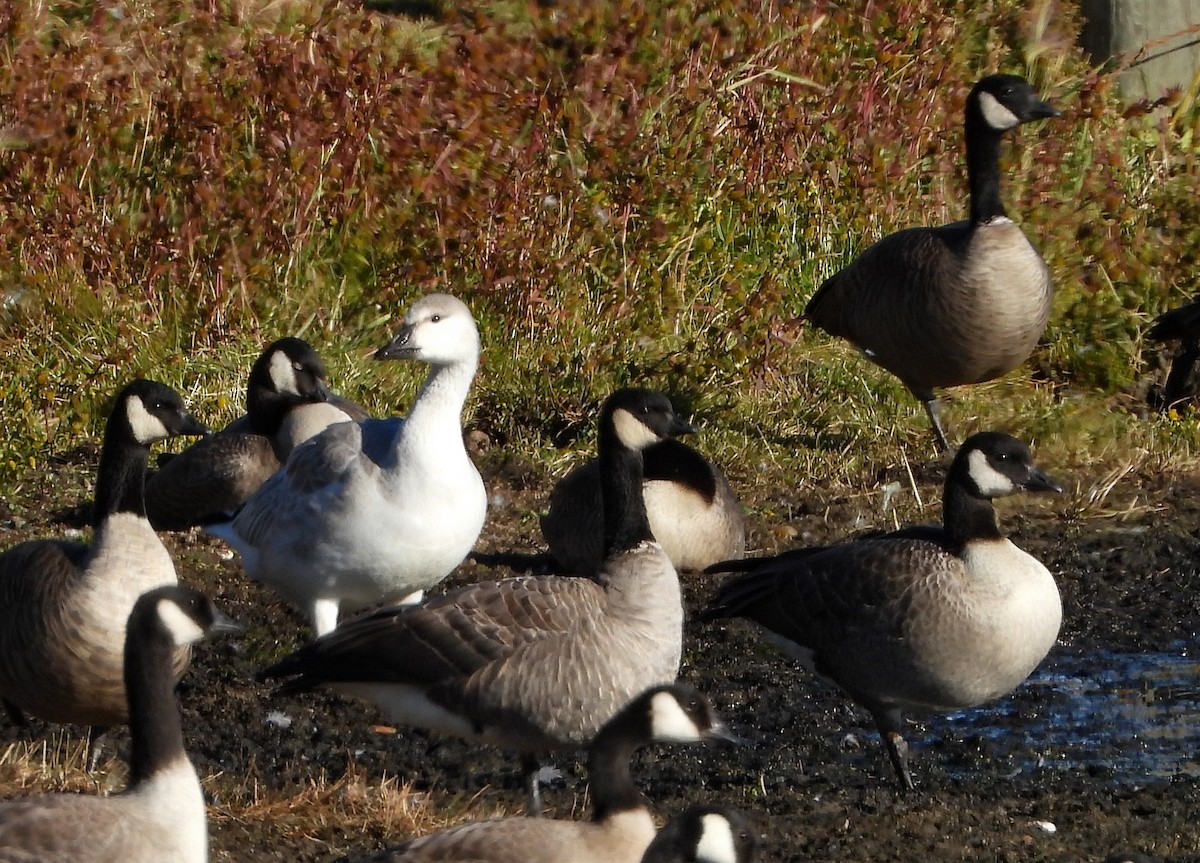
{"x": 436, "y": 318}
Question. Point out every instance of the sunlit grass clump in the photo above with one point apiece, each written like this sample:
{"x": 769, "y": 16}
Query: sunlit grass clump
{"x": 644, "y": 193}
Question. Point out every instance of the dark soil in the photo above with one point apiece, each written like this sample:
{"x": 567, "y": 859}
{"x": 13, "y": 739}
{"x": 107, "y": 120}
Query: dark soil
{"x": 813, "y": 776}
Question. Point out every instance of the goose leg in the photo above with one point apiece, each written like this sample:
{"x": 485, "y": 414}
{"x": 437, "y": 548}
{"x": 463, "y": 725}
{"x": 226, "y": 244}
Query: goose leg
{"x": 535, "y": 776}
{"x": 933, "y": 408}
{"x": 95, "y": 746}
{"x": 888, "y": 723}
{"x": 324, "y": 615}
{"x": 533, "y": 784}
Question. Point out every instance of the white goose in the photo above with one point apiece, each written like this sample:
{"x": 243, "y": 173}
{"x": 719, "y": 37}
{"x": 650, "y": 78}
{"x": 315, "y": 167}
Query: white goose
{"x": 375, "y": 512}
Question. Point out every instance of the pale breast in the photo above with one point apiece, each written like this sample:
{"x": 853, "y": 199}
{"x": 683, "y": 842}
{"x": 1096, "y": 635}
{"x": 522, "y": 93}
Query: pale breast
{"x": 71, "y": 667}
{"x": 988, "y": 631}
{"x": 693, "y": 531}
{"x": 1010, "y": 296}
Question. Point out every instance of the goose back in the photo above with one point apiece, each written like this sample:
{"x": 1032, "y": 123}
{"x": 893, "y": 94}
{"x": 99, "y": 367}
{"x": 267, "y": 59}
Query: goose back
{"x": 964, "y": 304}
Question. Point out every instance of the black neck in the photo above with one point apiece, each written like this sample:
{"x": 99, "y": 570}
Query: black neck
{"x": 155, "y": 729}
{"x": 676, "y": 462}
{"x": 609, "y": 773}
{"x": 983, "y": 168}
{"x": 267, "y": 409}
{"x": 121, "y": 479}
{"x": 966, "y": 515}
{"x": 625, "y": 521}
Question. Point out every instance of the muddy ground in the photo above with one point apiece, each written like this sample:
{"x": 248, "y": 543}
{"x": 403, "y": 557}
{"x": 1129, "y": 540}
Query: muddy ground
{"x": 813, "y": 777}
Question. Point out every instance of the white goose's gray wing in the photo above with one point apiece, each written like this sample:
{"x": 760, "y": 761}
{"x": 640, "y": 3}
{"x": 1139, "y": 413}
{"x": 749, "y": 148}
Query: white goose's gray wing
{"x": 281, "y": 502}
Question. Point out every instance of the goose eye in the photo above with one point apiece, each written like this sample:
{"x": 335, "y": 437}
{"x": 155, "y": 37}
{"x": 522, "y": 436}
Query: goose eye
{"x": 298, "y": 366}
{"x": 435, "y": 318}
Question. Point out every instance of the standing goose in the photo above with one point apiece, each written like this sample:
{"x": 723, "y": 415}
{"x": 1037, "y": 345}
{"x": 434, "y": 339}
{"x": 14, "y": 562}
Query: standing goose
{"x": 160, "y": 816}
{"x": 535, "y": 663}
{"x": 63, "y": 605}
{"x": 956, "y": 304}
{"x": 354, "y": 520}
{"x": 926, "y": 619}
{"x": 287, "y": 402}
{"x": 621, "y": 826}
{"x": 704, "y": 834}
{"x": 693, "y": 512}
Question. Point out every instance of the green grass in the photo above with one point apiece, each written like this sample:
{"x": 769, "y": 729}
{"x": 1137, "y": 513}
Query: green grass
{"x": 645, "y": 195}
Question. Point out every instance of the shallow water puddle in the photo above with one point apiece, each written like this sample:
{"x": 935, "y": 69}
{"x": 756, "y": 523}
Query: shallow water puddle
{"x": 1135, "y": 713}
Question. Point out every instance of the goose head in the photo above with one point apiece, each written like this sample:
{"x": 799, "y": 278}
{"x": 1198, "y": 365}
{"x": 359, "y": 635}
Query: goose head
{"x": 678, "y": 713}
{"x": 186, "y": 615}
{"x": 148, "y": 411}
{"x": 1003, "y": 102}
{"x": 438, "y": 329}
{"x": 705, "y": 833}
{"x": 640, "y": 418}
{"x": 993, "y": 464}
{"x": 290, "y": 367}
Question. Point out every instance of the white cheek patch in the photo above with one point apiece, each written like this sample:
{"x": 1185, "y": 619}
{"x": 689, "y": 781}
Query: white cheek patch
{"x": 183, "y": 629}
{"x": 147, "y": 428}
{"x": 995, "y": 114}
{"x": 283, "y": 375}
{"x": 990, "y": 482}
{"x": 668, "y": 722}
{"x": 632, "y": 431}
{"x": 716, "y": 843}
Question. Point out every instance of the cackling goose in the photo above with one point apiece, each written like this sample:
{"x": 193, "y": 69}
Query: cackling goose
{"x": 373, "y": 512}
{"x": 704, "y": 834}
{"x": 287, "y": 402}
{"x": 160, "y": 816}
{"x": 693, "y": 512}
{"x": 534, "y": 663}
{"x": 924, "y": 619}
{"x": 621, "y": 826}
{"x": 63, "y": 605}
{"x": 955, "y": 304}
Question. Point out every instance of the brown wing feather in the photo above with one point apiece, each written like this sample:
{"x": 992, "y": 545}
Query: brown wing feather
{"x": 820, "y": 598}
{"x": 450, "y": 636}
{"x": 214, "y": 476}
{"x": 890, "y": 286}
